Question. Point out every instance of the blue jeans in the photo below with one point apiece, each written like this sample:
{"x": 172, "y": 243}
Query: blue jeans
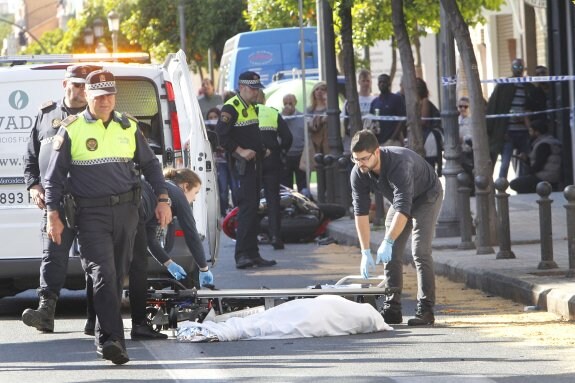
{"x": 225, "y": 185}
{"x": 514, "y": 139}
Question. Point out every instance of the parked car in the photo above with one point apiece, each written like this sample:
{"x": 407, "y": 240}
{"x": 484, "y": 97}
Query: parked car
{"x": 161, "y": 97}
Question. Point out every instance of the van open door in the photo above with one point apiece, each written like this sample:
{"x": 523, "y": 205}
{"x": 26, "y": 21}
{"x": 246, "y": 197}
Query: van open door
{"x": 197, "y": 150}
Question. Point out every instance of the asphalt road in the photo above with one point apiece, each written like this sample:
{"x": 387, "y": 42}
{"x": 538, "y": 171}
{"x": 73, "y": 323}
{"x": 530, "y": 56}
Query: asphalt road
{"x": 427, "y": 354}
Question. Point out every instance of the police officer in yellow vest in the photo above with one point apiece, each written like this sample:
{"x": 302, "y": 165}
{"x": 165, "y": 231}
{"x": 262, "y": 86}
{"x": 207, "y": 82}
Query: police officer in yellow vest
{"x": 277, "y": 138}
{"x": 95, "y": 152}
{"x": 240, "y": 136}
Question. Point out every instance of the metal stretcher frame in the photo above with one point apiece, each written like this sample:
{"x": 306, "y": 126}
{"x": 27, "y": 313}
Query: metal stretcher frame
{"x": 166, "y": 307}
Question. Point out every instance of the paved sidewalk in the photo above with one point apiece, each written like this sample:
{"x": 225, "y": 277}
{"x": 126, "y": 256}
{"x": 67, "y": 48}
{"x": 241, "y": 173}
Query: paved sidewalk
{"x": 518, "y": 279}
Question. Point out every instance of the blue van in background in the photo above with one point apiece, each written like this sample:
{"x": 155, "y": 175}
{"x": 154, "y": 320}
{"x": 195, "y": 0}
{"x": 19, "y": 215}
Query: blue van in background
{"x": 266, "y": 52}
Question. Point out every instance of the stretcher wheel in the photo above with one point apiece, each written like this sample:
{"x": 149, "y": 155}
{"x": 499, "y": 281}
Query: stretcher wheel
{"x": 151, "y": 313}
{"x": 173, "y": 317}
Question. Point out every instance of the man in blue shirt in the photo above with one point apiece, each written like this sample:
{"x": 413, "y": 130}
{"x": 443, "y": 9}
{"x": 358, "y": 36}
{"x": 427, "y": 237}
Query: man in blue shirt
{"x": 388, "y": 104}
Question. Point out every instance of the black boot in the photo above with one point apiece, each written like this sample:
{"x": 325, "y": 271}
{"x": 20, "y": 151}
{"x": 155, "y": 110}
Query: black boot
{"x": 277, "y": 243}
{"x": 391, "y": 314}
{"x": 145, "y": 331}
{"x": 43, "y": 317}
{"x": 90, "y": 326}
{"x": 423, "y": 316}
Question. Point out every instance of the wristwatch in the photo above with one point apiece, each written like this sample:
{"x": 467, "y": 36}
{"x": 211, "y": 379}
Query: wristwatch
{"x": 166, "y": 200}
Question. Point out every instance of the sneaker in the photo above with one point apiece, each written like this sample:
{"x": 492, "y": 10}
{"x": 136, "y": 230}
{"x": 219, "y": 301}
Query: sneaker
{"x": 392, "y": 316}
{"x": 144, "y": 331}
{"x": 113, "y": 351}
{"x": 423, "y": 317}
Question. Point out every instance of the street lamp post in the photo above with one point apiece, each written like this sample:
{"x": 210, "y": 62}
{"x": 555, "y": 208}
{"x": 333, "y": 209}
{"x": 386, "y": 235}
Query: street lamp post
{"x": 114, "y": 26}
{"x": 98, "y": 26}
{"x": 89, "y": 38}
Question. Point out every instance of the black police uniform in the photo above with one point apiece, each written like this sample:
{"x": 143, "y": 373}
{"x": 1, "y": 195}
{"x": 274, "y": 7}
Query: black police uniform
{"x": 238, "y": 126}
{"x": 55, "y": 257}
{"x": 106, "y": 189}
{"x": 277, "y": 138}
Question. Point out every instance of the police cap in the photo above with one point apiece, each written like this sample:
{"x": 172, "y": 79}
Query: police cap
{"x": 251, "y": 79}
{"x": 78, "y": 73}
{"x": 100, "y": 83}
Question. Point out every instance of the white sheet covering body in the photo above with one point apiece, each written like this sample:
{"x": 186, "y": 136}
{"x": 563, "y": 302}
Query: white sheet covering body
{"x": 325, "y": 315}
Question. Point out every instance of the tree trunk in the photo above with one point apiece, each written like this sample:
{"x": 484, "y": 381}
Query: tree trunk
{"x": 417, "y": 48}
{"x": 412, "y": 105}
{"x": 353, "y": 111}
{"x": 393, "y": 68}
{"x": 482, "y": 161}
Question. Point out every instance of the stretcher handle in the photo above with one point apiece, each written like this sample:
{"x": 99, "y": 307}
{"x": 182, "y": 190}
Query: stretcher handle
{"x": 377, "y": 281}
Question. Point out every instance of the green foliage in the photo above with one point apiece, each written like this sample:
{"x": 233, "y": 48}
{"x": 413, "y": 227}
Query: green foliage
{"x": 5, "y": 28}
{"x": 153, "y": 26}
{"x": 371, "y": 18}
{"x": 49, "y": 41}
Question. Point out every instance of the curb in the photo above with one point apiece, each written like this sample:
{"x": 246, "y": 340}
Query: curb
{"x": 524, "y": 286}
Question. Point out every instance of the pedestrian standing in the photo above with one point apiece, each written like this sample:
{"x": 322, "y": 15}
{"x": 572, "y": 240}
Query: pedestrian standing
{"x": 226, "y": 183}
{"x": 240, "y": 136}
{"x": 54, "y": 265}
{"x": 388, "y": 132}
{"x": 209, "y": 99}
{"x": 416, "y": 194}
{"x": 507, "y": 134}
{"x": 95, "y": 154}
{"x": 278, "y": 139}
{"x": 295, "y": 123}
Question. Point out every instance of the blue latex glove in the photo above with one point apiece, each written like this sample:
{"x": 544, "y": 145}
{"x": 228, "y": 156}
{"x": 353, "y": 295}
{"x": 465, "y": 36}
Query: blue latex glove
{"x": 177, "y": 271}
{"x": 206, "y": 278}
{"x": 366, "y": 263}
{"x": 384, "y": 251}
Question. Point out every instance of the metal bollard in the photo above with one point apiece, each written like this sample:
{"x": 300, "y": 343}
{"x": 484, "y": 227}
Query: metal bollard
{"x": 502, "y": 199}
{"x": 569, "y": 194}
{"x": 482, "y": 239}
{"x": 320, "y": 174}
{"x": 545, "y": 226}
{"x": 344, "y": 185}
{"x": 329, "y": 166}
{"x": 464, "y": 189}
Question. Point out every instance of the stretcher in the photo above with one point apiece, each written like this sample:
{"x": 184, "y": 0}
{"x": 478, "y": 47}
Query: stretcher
{"x": 169, "y": 302}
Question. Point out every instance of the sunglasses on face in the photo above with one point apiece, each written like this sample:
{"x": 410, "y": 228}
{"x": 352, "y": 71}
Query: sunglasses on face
{"x": 463, "y": 106}
{"x": 79, "y": 85}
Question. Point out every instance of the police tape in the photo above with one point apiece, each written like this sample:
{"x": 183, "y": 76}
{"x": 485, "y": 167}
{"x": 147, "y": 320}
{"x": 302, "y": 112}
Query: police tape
{"x": 373, "y": 117}
{"x": 452, "y": 80}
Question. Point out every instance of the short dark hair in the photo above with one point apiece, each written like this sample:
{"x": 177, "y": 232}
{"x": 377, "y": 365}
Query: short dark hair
{"x": 540, "y": 125}
{"x": 364, "y": 140}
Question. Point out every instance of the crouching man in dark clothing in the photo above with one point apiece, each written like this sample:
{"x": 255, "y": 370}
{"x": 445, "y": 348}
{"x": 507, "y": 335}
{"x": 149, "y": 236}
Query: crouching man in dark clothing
{"x": 416, "y": 195}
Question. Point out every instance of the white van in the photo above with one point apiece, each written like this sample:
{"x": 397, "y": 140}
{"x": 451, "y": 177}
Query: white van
{"x": 160, "y": 96}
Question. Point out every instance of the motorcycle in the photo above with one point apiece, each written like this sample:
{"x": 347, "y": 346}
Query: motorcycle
{"x": 302, "y": 220}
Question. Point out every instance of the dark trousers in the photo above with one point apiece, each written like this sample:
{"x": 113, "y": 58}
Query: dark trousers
{"x": 292, "y": 167}
{"x": 421, "y": 229}
{"x": 514, "y": 139}
{"x": 248, "y": 202}
{"x": 271, "y": 183}
{"x": 226, "y": 183}
{"x": 139, "y": 276}
{"x": 525, "y": 184}
{"x": 54, "y": 266}
{"x": 106, "y": 236}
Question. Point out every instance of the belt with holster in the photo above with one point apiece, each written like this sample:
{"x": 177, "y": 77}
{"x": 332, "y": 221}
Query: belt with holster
{"x": 113, "y": 200}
